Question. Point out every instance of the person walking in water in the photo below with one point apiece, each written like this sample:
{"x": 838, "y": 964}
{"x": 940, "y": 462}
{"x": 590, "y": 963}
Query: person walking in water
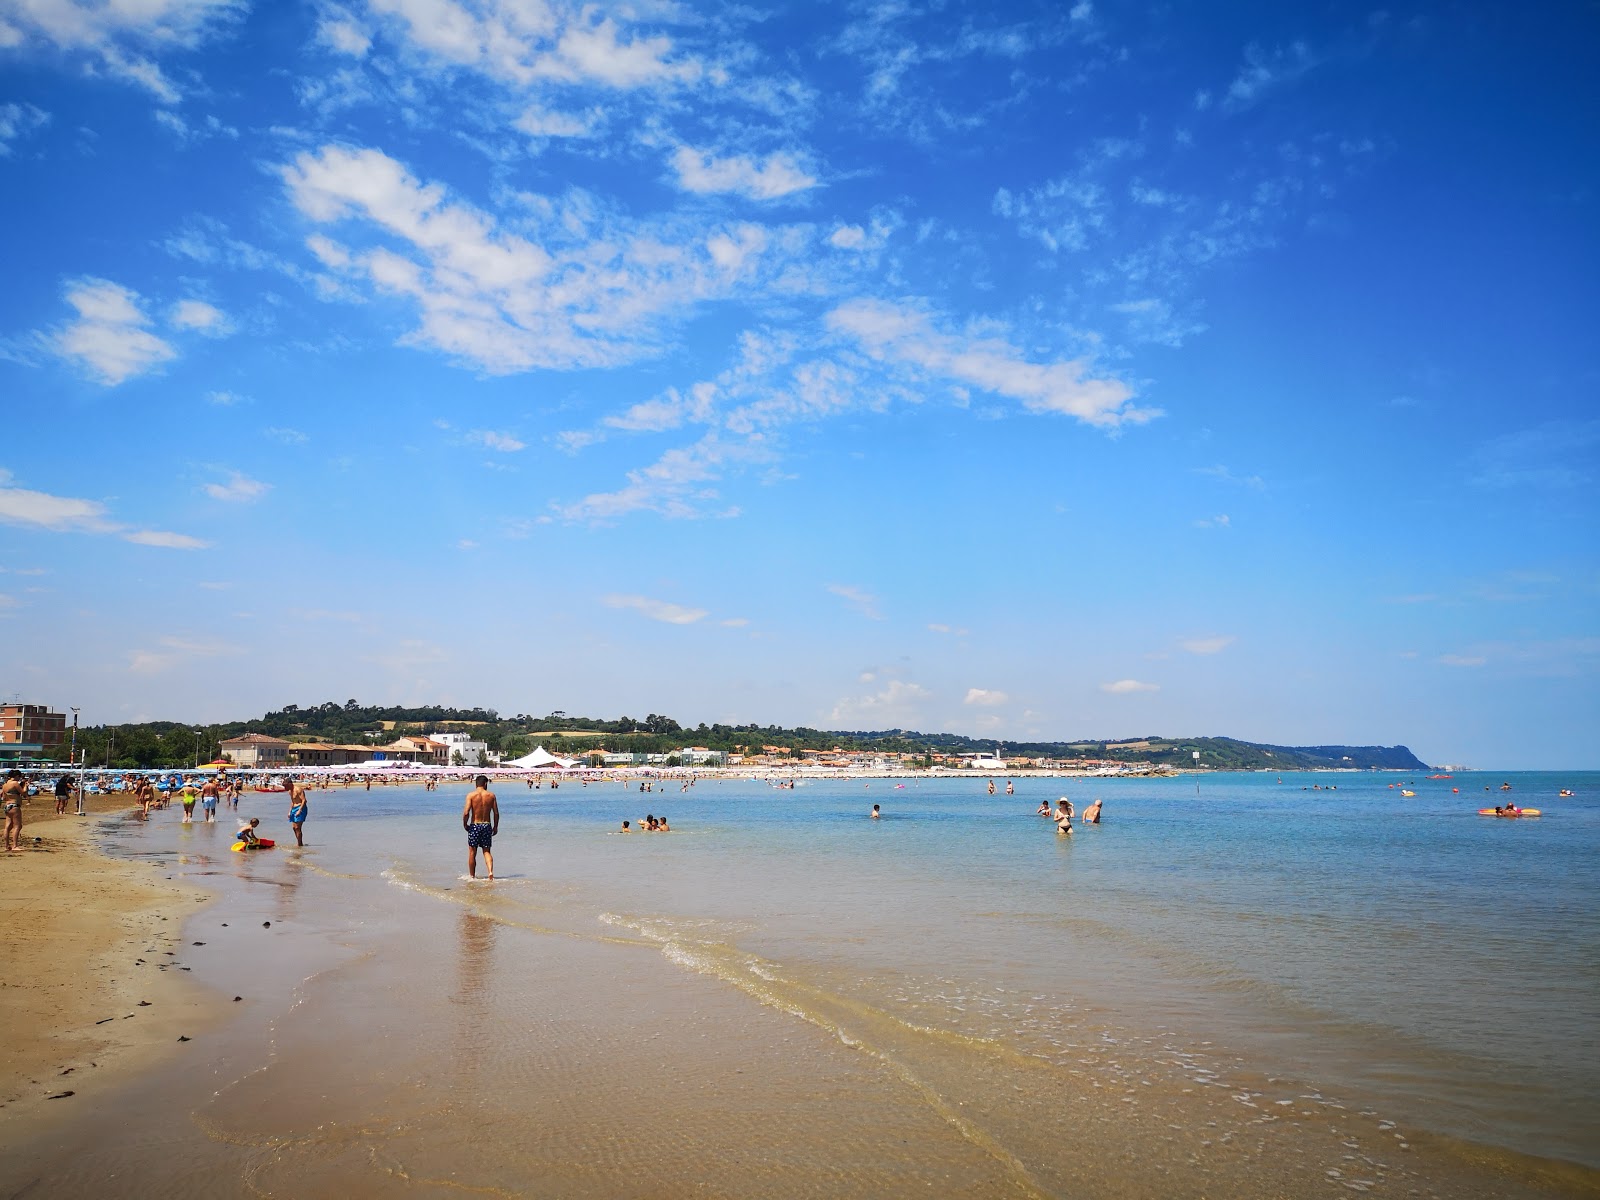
{"x": 480, "y": 817}
{"x": 299, "y": 809}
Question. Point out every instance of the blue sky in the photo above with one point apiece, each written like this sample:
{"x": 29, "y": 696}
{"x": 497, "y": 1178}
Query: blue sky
{"x": 1029, "y": 371}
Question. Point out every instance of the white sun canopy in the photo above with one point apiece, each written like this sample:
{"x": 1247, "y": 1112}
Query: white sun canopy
{"x": 543, "y": 759}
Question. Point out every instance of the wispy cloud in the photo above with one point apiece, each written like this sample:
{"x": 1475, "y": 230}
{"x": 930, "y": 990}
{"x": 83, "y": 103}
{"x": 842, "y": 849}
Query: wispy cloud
{"x": 1463, "y": 660}
{"x": 1128, "y": 687}
{"x": 503, "y": 442}
{"x": 521, "y": 44}
{"x": 120, "y": 39}
{"x": 173, "y": 651}
{"x": 239, "y": 489}
{"x": 952, "y": 630}
{"x": 17, "y": 121}
{"x": 907, "y": 334}
{"x": 986, "y": 698}
{"x": 656, "y": 610}
{"x": 899, "y": 704}
{"x": 863, "y": 601}
{"x": 64, "y": 514}
{"x": 1220, "y": 521}
{"x": 1215, "y": 644}
{"x": 776, "y": 176}
{"x": 1267, "y": 70}
{"x": 591, "y": 290}
{"x": 1223, "y": 475}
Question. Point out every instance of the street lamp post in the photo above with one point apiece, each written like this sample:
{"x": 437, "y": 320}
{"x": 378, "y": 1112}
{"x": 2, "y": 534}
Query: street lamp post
{"x": 197, "y": 749}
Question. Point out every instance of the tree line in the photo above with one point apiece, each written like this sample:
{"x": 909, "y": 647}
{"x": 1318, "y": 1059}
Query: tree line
{"x": 176, "y": 744}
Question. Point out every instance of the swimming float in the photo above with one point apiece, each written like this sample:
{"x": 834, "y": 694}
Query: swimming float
{"x": 1521, "y": 812}
{"x": 263, "y": 844}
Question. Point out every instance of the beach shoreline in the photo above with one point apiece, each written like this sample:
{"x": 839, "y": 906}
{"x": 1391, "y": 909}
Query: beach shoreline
{"x": 85, "y": 987}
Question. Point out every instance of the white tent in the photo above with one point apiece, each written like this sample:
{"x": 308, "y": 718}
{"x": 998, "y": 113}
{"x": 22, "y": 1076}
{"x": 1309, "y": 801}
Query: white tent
{"x": 542, "y": 759}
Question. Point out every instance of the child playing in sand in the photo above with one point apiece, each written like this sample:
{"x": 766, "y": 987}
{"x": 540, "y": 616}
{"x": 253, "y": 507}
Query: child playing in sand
{"x": 247, "y": 833}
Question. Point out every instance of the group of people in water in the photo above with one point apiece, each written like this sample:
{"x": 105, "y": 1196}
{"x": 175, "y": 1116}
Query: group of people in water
{"x": 1063, "y": 813}
{"x": 650, "y": 824}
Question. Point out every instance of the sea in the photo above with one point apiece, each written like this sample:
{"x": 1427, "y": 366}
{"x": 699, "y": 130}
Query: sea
{"x": 1236, "y": 983}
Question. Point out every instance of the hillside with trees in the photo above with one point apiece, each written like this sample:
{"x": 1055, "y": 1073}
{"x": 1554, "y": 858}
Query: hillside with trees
{"x": 176, "y": 744}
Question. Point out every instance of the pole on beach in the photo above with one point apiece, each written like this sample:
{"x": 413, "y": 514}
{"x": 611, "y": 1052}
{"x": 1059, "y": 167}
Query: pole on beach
{"x": 72, "y": 754}
{"x": 1197, "y": 777}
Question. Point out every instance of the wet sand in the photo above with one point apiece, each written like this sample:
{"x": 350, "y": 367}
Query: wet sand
{"x": 87, "y": 939}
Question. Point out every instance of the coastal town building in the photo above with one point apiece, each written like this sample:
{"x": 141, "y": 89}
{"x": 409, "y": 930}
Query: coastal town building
{"x": 29, "y": 731}
{"x": 474, "y": 751}
{"x": 256, "y": 751}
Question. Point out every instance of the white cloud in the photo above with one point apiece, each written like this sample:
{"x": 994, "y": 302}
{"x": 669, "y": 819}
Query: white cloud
{"x": 169, "y": 541}
{"x": 905, "y": 334}
{"x": 734, "y": 622}
{"x": 64, "y": 514}
{"x": 200, "y": 316}
{"x": 656, "y": 610}
{"x": 863, "y": 601}
{"x": 226, "y": 399}
{"x": 899, "y": 705}
{"x": 503, "y": 442}
{"x": 119, "y": 35}
{"x": 1462, "y": 660}
{"x": 340, "y": 31}
{"x": 777, "y": 176}
{"x": 547, "y": 123}
{"x": 1208, "y": 645}
{"x": 1126, "y": 687}
{"x": 109, "y": 338}
{"x": 289, "y": 437}
{"x": 1220, "y": 521}
{"x": 594, "y": 290}
{"x": 17, "y": 121}
{"x": 953, "y": 630}
{"x": 986, "y": 698}
{"x": 522, "y": 42}
{"x": 676, "y": 485}
{"x": 240, "y": 489}
{"x": 848, "y": 237}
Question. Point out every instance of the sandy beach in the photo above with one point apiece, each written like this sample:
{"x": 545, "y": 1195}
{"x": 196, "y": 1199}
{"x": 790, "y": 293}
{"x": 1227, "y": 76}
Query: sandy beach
{"x": 85, "y": 990}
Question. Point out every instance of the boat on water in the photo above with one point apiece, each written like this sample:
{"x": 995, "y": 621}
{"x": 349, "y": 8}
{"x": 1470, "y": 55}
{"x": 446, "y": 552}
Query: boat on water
{"x": 1403, "y": 792}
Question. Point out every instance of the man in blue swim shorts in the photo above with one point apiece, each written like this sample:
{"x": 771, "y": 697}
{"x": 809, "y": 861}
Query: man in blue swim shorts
{"x": 480, "y": 817}
{"x": 299, "y": 808}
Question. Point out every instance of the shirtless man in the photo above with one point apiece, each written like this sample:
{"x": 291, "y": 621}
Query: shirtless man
{"x": 299, "y": 807}
{"x": 209, "y": 791}
{"x": 12, "y": 791}
{"x": 1091, "y": 815}
{"x": 480, "y": 817}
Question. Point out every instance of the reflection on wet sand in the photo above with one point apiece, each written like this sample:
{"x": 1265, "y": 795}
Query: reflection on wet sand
{"x": 475, "y": 934}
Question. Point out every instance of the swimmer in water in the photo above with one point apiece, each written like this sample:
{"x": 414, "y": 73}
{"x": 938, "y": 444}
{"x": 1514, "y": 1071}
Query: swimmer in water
{"x": 1091, "y": 815}
{"x": 875, "y": 813}
{"x": 1043, "y": 810}
{"x": 1063, "y": 815}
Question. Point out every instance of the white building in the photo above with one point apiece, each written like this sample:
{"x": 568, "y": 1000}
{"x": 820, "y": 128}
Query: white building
{"x": 473, "y": 751}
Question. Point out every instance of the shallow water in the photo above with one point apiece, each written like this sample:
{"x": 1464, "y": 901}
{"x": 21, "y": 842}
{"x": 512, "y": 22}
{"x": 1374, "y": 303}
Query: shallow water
{"x": 1247, "y": 980}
